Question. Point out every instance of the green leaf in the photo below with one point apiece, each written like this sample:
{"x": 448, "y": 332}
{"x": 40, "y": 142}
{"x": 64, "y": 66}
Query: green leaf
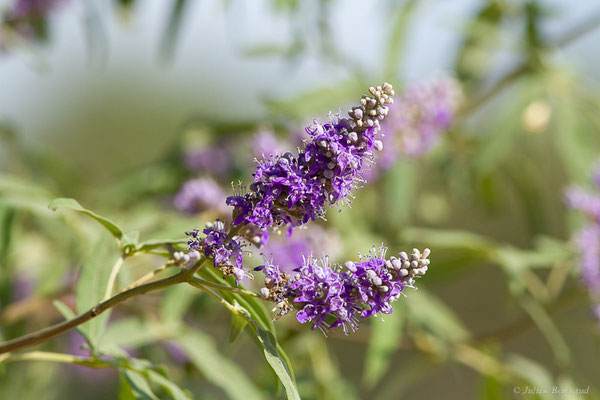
{"x": 139, "y": 387}
{"x": 176, "y": 300}
{"x": 383, "y": 343}
{"x": 129, "y": 241}
{"x": 153, "y": 244}
{"x": 236, "y": 327}
{"x": 129, "y": 332}
{"x": 113, "y": 228}
{"x": 167, "y": 385}
{"x": 173, "y": 28}
{"x": 397, "y": 38}
{"x": 320, "y": 100}
{"x": 92, "y": 285}
{"x": 398, "y": 197}
{"x": 69, "y": 314}
{"x": 278, "y": 362}
{"x": 531, "y": 372}
{"x": 201, "y": 349}
{"x": 491, "y": 389}
{"x": 13, "y": 184}
{"x": 432, "y": 315}
{"x": 252, "y": 305}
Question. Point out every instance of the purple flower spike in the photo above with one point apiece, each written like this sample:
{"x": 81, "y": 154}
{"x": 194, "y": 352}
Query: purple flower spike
{"x": 292, "y": 190}
{"x": 331, "y": 296}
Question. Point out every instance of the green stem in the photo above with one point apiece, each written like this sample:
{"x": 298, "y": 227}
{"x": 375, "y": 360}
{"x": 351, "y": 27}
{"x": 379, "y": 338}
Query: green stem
{"x": 112, "y": 278}
{"x": 202, "y": 284}
{"x": 47, "y": 333}
{"x": 54, "y": 357}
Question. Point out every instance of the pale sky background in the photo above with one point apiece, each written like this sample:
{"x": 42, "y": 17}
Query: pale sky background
{"x": 51, "y": 95}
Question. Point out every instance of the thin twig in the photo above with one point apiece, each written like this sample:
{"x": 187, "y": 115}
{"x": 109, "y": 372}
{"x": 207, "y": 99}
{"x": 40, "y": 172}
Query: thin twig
{"x": 54, "y": 357}
{"x": 521, "y": 68}
{"x": 112, "y": 278}
{"x": 47, "y": 333}
{"x": 149, "y": 276}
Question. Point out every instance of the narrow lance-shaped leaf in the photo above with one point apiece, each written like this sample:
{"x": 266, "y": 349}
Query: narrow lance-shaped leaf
{"x": 92, "y": 284}
{"x": 218, "y": 370}
{"x": 139, "y": 387}
{"x": 113, "y": 228}
{"x": 384, "y": 341}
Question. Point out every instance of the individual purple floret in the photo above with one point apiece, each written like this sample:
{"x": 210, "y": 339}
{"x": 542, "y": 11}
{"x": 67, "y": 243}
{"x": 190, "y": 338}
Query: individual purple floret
{"x": 292, "y": 190}
{"x": 199, "y": 195}
{"x": 226, "y": 252}
{"x": 330, "y": 296}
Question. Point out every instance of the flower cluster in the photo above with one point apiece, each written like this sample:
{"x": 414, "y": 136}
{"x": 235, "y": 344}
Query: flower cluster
{"x": 588, "y": 240}
{"x": 227, "y": 252}
{"x": 199, "y": 195}
{"x": 331, "y": 296}
{"x": 292, "y": 190}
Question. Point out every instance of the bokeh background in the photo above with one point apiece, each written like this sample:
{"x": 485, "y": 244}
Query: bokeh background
{"x": 114, "y": 102}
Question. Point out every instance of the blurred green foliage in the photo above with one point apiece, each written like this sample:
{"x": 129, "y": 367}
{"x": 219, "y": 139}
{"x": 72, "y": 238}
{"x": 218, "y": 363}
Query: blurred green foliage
{"x": 501, "y": 308}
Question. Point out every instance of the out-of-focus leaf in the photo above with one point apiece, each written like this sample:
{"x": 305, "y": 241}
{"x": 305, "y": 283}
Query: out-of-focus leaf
{"x": 320, "y": 100}
{"x": 236, "y": 327}
{"x": 92, "y": 285}
{"x": 201, "y": 350}
{"x": 326, "y": 372}
{"x": 574, "y": 140}
{"x": 129, "y": 332}
{"x": 7, "y": 218}
{"x": 167, "y": 385}
{"x": 176, "y": 300}
{"x": 173, "y": 29}
{"x": 401, "y": 15}
{"x": 504, "y": 135}
{"x": 277, "y": 361}
{"x": 138, "y": 385}
{"x": 399, "y": 185}
{"x": 436, "y": 238}
{"x": 12, "y": 184}
{"x": 433, "y": 316}
{"x": 113, "y": 228}
{"x": 69, "y": 314}
{"x": 492, "y": 389}
{"x": 531, "y": 372}
{"x": 383, "y": 343}
{"x": 473, "y": 57}
{"x": 548, "y": 328}
{"x": 571, "y": 390}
